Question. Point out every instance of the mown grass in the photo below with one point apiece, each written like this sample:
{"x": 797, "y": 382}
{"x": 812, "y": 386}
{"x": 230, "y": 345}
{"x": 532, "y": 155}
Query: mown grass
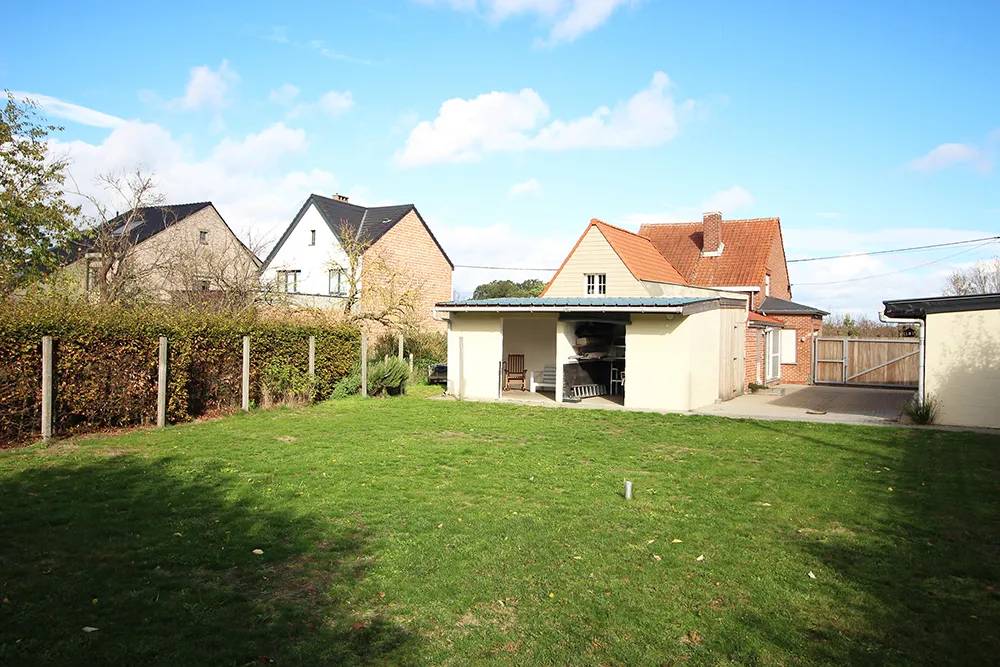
{"x": 410, "y": 531}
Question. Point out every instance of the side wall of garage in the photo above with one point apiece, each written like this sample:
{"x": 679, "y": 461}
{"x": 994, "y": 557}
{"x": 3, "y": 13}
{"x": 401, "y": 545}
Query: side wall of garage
{"x": 962, "y": 367}
{"x": 475, "y": 346}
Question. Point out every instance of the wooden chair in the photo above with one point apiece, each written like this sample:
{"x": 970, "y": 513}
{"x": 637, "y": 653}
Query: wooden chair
{"x": 514, "y": 370}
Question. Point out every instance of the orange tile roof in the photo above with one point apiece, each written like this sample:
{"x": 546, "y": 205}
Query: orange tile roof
{"x": 637, "y": 253}
{"x": 743, "y": 260}
{"x": 640, "y": 257}
{"x": 764, "y": 319}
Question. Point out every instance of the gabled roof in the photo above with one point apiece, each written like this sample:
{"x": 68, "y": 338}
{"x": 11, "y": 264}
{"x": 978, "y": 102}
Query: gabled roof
{"x": 775, "y": 306}
{"x": 920, "y": 308}
{"x": 367, "y": 224}
{"x": 642, "y": 260}
{"x": 747, "y": 246}
{"x": 148, "y": 222}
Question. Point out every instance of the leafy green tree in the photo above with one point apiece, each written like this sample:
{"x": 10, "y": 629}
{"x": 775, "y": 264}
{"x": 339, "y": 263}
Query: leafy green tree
{"x": 34, "y": 216}
{"x": 498, "y": 289}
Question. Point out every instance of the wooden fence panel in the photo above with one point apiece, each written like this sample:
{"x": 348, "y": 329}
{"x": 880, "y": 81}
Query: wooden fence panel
{"x": 885, "y": 362}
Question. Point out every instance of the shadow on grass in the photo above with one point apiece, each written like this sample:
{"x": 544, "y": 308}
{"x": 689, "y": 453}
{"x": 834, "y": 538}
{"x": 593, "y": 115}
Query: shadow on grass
{"x": 159, "y": 558}
{"x": 921, "y": 571}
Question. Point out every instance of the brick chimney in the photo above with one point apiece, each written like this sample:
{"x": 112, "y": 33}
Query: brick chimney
{"x": 711, "y": 230}
{"x": 340, "y": 197}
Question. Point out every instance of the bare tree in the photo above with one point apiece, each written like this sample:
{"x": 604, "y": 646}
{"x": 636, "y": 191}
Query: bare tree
{"x": 375, "y": 289}
{"x": 983, "y": 277}
{"x": 226, "y": 277}
{"x": 113, "y": 271}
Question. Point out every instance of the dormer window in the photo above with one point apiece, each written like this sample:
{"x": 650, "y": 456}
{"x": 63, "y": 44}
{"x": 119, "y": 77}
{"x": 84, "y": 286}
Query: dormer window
{"x": 203, "y": 237}
{"x": 596, "y": 284}
{"x": 312, "y": 237}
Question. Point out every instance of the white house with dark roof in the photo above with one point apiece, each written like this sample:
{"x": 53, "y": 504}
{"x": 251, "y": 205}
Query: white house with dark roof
{"x": 309, "y": 259}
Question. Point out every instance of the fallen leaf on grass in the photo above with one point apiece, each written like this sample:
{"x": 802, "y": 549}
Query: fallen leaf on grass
{"x": 87, "y": 628}
{"x": 178, "y": 535}
{"x": 812, "y": 576}
{"x": 675, "y": 541}
{"x": 440, "y": 525}
{"x": 259, "y": 552}
{"x": 655, "y": 557}
{"x": 650, "y": 542}
{"x": 700, "y": 558}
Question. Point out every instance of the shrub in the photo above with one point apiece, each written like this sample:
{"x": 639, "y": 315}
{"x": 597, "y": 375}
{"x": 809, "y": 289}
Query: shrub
{"x": 388, "y": 377}
{"x": 284, "y": 384}
{"x": 349, "y": 385}
{"x": 922, "y": 413}
{"x": 106, "y": 362}
{"x": 427, "y": 347}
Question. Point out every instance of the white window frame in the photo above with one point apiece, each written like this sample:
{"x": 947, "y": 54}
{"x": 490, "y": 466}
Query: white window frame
{"x": 595, "y": 284}
{"x": 284, "y": 284}
{"x": 772, "y": 355}
{"x": 340, "y": 282}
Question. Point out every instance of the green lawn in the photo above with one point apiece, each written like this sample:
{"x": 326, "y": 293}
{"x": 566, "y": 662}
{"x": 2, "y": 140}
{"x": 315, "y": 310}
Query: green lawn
{"x": 432, "y": 532}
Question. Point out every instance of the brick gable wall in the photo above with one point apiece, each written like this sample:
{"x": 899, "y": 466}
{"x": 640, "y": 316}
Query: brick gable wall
{"x": 778, "y": 270}
{"x": 412, "y": 258}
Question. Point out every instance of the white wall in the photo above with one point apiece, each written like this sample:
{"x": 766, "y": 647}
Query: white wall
{"x": 534, "y": 337}
{"x": 475, "y": 345}
{"x": 313, "y": 261}
{"x": 962, "y": 367}
{"x": 672, "y": 363}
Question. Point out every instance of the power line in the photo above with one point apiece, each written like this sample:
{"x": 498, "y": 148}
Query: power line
{"x": 882, "y": 275}
{"x": 895, "y": 250}
{"x": 500, "y": 268}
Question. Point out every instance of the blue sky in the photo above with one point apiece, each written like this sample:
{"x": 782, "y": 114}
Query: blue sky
{"x": 511, "y": 123}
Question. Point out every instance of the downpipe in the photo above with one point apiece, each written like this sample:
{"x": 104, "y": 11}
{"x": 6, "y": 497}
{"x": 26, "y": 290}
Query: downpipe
{"x": 885, "y": 319}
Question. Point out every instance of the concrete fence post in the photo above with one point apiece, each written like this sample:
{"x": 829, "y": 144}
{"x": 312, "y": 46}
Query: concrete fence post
{"x": 364, "y": 364}
{"x": 246, "y": 373}
{"x": 161, "y": 386}
{"x": 312, "y": 357}
{"x": 411, "y": 362}
{"x": 46, "y": 388}
{"x": 400, "y": 347}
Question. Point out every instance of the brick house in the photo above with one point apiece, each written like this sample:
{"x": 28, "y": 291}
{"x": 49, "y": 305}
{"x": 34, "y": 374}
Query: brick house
{"x": 398, "y": 254}
{"x": 176, "y": 249}
{"x": 747, "y": 256}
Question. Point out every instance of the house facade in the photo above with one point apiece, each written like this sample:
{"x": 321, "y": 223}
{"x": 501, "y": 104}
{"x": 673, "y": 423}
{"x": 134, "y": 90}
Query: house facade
{"x": 175, "y": 250}
{"x": 615, "y": 319}
{"x": 334, "y": 251}
{"x": 748, "y": 257}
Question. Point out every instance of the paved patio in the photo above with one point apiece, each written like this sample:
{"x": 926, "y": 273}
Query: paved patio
{"x": 851, "y": 405}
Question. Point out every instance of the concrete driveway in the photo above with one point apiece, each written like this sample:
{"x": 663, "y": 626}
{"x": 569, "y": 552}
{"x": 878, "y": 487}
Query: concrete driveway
{"x": 849, "y": 405}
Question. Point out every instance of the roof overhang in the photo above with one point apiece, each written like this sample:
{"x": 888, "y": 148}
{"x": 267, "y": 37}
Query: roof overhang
{"x": 920, "y": 308}
{"x": 666, "y": 306}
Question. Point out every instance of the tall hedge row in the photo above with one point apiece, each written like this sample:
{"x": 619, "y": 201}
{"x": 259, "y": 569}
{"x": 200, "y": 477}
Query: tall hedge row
{"x": 106, "y": 363}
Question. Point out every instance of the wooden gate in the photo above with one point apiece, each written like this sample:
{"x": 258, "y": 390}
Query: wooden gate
{"x": 872, "y": 362}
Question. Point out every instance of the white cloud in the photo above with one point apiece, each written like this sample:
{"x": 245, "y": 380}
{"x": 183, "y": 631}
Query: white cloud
{"x": 257, "y": 151}
{"x": 242, "y": 177}
{"x": 947, "y": 155}
{"x": 860, "y": 284}
{"x": 464, "y": 130}
{"x": 284, "y": 94}
{"x": 208, "y": 88}
{"x": 528, "y": 187}
{"x": 727, "y": 201}
{"x": 569, "y": 19}
{"x": 52, "y": 106}
{"x": 498, "y": 245}
{"x": 335, "y": 103}
{"x": 585, "y": 15}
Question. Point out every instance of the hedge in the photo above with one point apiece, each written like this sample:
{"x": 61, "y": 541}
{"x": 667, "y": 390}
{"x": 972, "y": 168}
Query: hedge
{"x": 106, "y": 363}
